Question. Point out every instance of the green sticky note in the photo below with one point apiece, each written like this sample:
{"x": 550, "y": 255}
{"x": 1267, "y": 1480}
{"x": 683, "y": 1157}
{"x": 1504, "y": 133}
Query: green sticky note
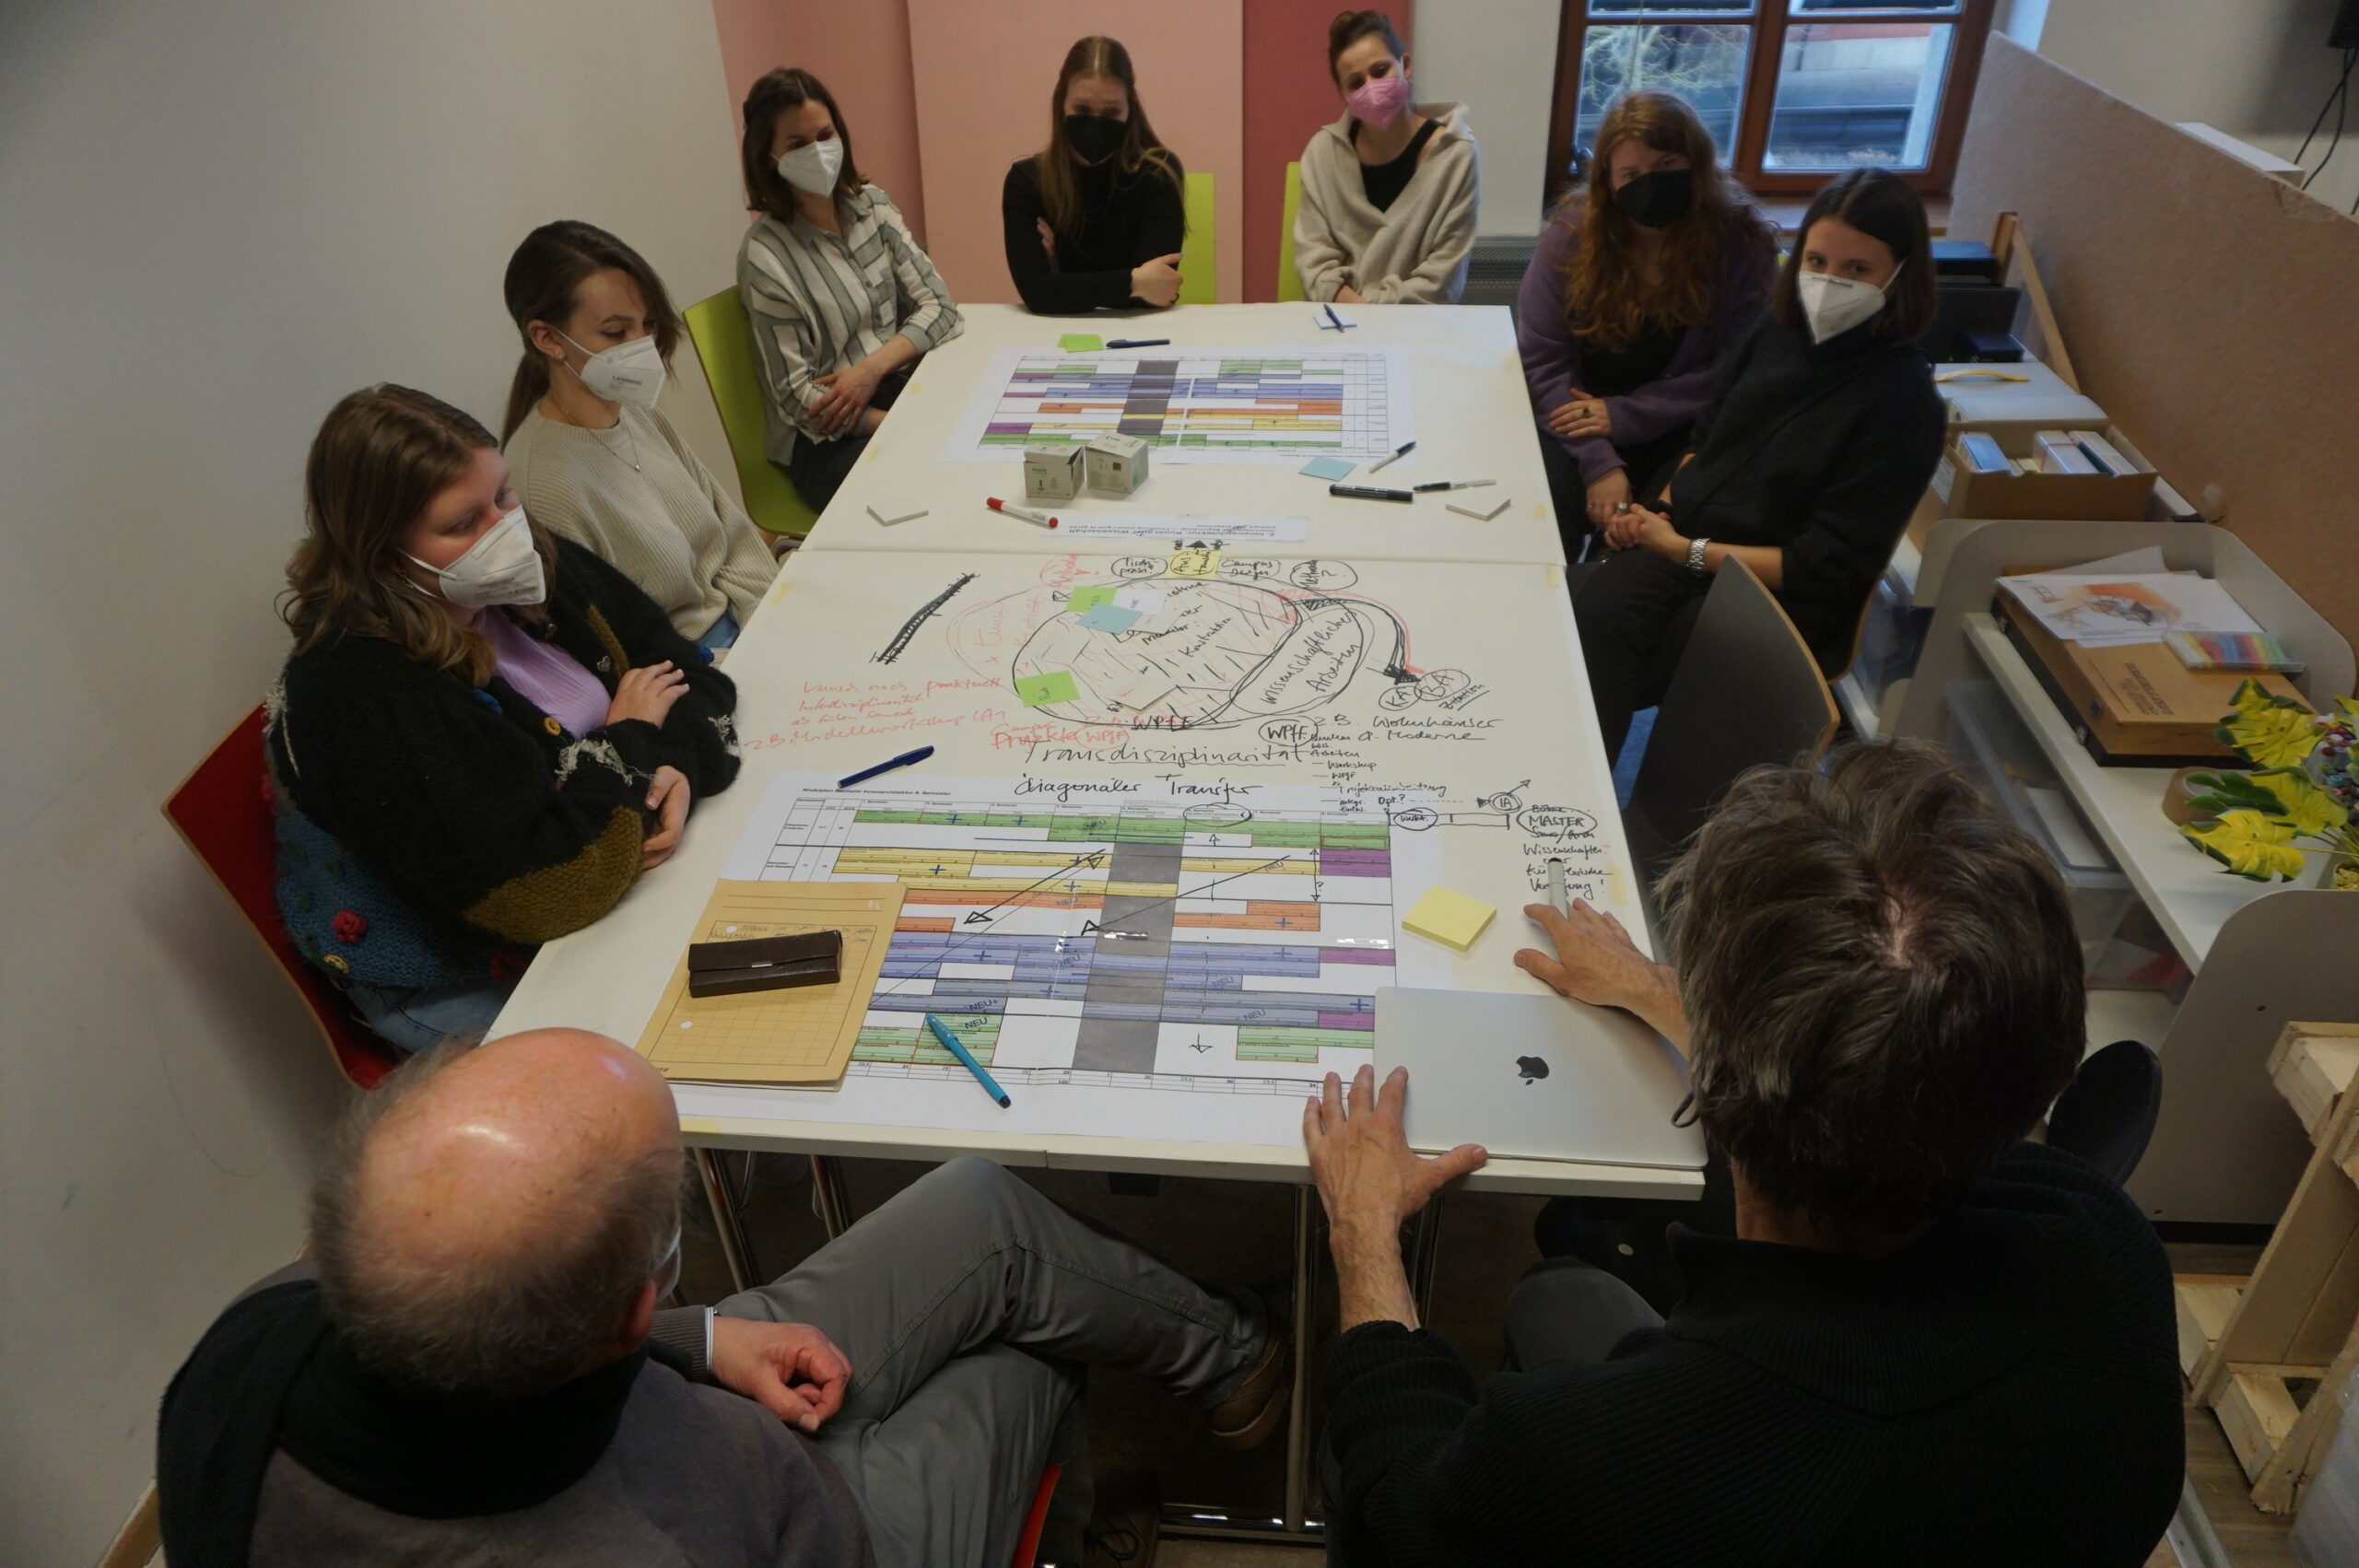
{"x": 1038, "y": 691}
{"x": 1082, "y": 600}
{"x": 1080, "y": 343}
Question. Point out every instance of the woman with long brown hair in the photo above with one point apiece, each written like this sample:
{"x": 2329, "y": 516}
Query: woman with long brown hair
{"x": 843, "y": 299}
{"x": 1650, "y": 271}
{"x": 1096, "y": 217}
{"x": 485, "y": 733}
{"x": 595, "y": 459}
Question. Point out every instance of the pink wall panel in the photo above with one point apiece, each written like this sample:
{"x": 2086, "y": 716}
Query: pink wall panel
{"x": 1288, "y": 95}
{"x": 984, "y": 76}
{"x": 862, "y": 51}
{"x": 753, "y": 37}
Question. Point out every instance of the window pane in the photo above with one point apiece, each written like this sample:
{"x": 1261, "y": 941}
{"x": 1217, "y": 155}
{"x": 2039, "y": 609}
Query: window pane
{"x": 1704, "y": 64}
{"x": 1658, "y": 8}
{"x": 1859, "y": 92}
{"x": 1804, "y": 7}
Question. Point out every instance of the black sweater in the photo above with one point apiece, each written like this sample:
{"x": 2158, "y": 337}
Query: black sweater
{"x": 1126, "y": 220}
{"x": 2006, "y": 1390}
{"x": 472, "y": 806}
{"x": 1822, "y": 451}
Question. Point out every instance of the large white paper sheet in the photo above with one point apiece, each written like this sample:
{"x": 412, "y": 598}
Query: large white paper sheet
{"x": 1271, "y": 404}
{"x": 2115, "y": 611}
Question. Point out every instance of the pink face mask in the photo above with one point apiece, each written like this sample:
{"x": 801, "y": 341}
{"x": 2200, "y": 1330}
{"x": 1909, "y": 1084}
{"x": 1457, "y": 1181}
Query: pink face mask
{"x": 1377, "y": 101}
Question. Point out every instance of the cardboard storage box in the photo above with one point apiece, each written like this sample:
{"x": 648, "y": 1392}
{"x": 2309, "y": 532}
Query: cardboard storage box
{"x": 1116, "y": 464}
{"x": 1053, "y": 474}
{"x": 2135, "y": 706}
{"x": 2012, "y": 401}
{"x": 1958, "y": 491}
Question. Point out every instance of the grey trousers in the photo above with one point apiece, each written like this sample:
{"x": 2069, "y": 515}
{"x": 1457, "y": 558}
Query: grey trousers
{"x": 956, "y": 1303}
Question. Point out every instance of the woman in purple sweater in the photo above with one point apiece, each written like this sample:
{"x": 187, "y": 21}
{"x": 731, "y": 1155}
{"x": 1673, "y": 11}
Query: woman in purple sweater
{"x": 1649, "y": 272}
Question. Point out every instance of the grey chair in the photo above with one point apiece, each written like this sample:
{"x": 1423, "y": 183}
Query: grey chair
{"x": 1746, "y": 692}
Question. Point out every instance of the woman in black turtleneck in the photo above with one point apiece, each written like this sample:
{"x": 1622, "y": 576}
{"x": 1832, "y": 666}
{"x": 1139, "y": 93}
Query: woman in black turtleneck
{"x": 1805, "y": 465}
{"x": 1095, "y": 218}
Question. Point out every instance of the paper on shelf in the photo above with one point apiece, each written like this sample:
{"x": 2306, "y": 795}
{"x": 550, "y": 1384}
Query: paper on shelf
{"x": 2115, "y": 612}
{"x": 2065, "y": 831}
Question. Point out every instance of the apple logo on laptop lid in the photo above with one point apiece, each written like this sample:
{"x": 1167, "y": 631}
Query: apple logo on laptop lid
{"x": 1531, "y": 1067}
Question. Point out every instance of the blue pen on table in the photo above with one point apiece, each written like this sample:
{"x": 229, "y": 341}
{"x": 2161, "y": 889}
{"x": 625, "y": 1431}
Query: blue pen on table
{"x": 1339, "y": 320}
{"x": 904, "y": 760}
{"x": 1137, "y": 342}
{"x": 950, "y": 1043}
{"x": 1398, "y": 453}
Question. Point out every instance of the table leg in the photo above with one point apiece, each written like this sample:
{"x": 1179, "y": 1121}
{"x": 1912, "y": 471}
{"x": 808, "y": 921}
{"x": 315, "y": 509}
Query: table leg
{"x": 828, "y": 1183}
{"x": 727, "y": 1223}
{"x": 1425, "y": 1256}
{"x": 1306, "y": 1242}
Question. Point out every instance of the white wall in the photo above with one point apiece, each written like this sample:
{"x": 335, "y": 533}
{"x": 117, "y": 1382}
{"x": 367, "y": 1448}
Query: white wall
{"x": 2257, "y": 69}
{"x": 215, "y": 219}
{"x": 1497, "y": 57}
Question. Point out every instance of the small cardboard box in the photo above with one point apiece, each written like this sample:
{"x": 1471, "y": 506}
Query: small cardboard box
{"x": 1116, "y": 464}
{"x": 1051, "y": 474}
{"x": 2131, "y": 706}
{"x": 2012, "y": 401}
{"x": 1958, "y": 491}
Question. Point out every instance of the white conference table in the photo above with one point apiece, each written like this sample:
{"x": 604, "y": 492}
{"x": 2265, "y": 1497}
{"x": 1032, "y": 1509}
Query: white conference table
{"x": 1489, "y": 601}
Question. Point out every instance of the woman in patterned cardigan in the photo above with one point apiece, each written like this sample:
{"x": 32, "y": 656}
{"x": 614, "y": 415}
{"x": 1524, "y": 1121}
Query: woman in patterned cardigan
{"x": 485, "y": 733}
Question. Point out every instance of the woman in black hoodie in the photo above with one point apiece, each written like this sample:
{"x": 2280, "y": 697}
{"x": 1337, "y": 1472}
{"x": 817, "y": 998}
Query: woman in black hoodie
{"x": 1806, "y": 463}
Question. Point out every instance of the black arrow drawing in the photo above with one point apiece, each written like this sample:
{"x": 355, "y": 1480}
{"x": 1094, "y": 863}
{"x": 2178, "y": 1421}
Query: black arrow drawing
{"x": 982, "y": 916}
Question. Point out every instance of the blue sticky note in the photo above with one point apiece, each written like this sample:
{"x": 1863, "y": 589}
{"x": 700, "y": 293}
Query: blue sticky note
{"x": 1328, "y": 468}
{"x": 1110, "y": 618}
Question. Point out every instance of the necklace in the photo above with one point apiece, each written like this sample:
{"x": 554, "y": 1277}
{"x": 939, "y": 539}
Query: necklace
{"x": 631, "y": 440}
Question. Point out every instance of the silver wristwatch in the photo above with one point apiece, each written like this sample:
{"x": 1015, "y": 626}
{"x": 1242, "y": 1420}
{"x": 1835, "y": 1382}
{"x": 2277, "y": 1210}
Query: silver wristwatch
{"x": 1695, "y": 555}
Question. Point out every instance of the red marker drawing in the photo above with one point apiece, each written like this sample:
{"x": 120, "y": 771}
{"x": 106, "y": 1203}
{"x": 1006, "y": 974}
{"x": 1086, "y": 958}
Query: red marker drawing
{"x": 1041, "y": 518}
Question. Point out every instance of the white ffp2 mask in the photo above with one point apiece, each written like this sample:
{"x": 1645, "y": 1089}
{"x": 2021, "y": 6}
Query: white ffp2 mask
{"x": 501, "y": 567}
{"x": 813, "y": 166}
{"x": 1835, "y": 304}
{"x": 628, "y": 372}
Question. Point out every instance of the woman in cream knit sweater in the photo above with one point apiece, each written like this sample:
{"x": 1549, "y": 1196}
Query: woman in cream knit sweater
{"x": 1390, "y": 191}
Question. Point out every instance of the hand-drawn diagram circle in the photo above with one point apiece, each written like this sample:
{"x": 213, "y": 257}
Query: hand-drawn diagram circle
{"x": 1330, "y": 575}
{"x": 1289, "y": 732}
{"x": 1216, "y": 654}
{"x": 1438, "y": 685}
{"x": 1415, "y": 818}
{"x": 1209, "y": 817}
{"x": 1556, "y": 822}
{"x": 1139, "y": 566}
{"x": 1401, "y": 695}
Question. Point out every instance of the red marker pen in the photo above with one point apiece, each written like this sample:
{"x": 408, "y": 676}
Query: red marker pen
{"x": 1041, "y": 518}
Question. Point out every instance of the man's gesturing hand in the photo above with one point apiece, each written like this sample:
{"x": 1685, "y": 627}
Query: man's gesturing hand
{"x": 1368, "y": 1176}
{"x": 790, "y": 1369}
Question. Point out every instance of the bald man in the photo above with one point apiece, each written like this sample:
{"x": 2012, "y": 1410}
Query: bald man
{"x": 473, "y": 1367}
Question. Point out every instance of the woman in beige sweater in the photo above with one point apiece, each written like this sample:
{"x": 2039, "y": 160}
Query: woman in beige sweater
{"x": 1390, "y": 191}
{"x": 593, "y": 458}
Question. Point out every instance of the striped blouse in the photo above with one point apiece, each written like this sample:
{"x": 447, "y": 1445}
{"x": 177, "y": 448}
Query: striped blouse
{"x": 819, "y": 303}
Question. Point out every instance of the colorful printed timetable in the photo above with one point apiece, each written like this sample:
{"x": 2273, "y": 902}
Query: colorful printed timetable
{"x": 1126, "y": 935}
{"x": 1194, "y": 405}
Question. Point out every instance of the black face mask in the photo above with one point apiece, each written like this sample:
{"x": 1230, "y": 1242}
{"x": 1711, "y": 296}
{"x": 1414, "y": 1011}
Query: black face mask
{"x": 1094, "y": 137}
{"x": 1656, "y": 200}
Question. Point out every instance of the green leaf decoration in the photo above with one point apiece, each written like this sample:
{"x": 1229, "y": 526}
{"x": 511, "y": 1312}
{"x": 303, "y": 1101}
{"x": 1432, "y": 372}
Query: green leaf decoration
{"x": 2347, "y": 707}
{"x": 2226, "y": 792}
{"x": 2248, "y": 844}
{"x": 2266, "y": 729}
{"x": 2302, "y": 803}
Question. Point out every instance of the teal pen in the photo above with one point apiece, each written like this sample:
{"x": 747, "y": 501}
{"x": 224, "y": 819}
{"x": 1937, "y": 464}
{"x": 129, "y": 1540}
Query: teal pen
{"x": 950, "y": 1043}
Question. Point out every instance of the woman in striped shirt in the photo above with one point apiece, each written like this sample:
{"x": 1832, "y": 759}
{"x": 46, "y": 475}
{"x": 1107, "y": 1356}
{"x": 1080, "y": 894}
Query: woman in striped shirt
{"x": 842, "y": 300}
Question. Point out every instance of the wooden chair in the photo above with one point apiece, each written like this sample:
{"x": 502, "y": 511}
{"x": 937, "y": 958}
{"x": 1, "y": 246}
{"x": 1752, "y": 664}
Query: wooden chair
{"x": 1746, "y": 692}
{"x": 1289, "y": 280}
{"x": 1200, "y": 252}
{"x": 724, "y": 338}
{"x": 222, "y": 810}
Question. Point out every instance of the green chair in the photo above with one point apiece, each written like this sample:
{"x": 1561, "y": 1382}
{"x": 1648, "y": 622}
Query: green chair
{"x": 1199, "y": 253}
{"x": 724, "y": 340}
{"x": 1289, "y": 280}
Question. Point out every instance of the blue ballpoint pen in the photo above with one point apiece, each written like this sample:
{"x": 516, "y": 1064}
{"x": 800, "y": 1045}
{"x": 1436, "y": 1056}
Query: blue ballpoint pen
{"x": 1333, "y": 316}
{"x": 1137, "y": 342}
{"x": 950, "y": 1043}
{"x": 901, "y": 761}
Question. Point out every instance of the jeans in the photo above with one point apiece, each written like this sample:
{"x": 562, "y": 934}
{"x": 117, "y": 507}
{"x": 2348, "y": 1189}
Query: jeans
{"x": 963, "y": 1305}
{"x": 417, "y": 1018}
{"x": 720, "y": 633}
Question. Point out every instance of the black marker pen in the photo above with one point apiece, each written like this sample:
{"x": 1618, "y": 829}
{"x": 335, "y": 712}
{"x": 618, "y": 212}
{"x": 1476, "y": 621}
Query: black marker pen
{"x": 1368, "y": 493}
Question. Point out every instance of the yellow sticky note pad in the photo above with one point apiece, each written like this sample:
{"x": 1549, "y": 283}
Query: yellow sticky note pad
{"x": 1195, "y": 562}
{"x": 1451, "y": 919}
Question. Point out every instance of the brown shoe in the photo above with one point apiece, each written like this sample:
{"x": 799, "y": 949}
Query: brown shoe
{"x": 1247, "y": 1418}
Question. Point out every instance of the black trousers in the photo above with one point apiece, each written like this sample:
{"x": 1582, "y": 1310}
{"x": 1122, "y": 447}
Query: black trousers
{"x": 819, "y": 468}
{"x": 1635, "y": 611}
{"x": 1648, "y": 464}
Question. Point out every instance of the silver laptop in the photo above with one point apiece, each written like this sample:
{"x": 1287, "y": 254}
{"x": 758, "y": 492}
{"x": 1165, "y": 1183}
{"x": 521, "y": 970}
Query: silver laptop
{"x": 1535, "y": 1078}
